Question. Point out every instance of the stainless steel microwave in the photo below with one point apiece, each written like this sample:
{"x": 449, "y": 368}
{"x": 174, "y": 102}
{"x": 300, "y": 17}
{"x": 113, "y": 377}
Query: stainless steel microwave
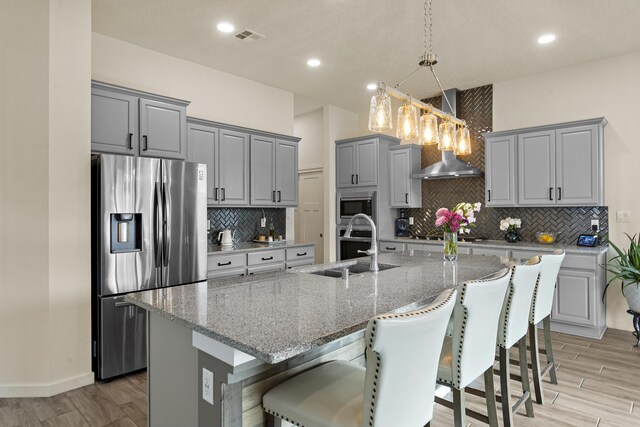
{"x": 350, "y": 204}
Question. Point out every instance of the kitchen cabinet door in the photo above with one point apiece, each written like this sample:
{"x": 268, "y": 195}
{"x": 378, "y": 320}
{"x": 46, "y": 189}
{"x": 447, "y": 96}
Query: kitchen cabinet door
{"x": 286, "y": 171}
{"x": 575, "y": 298}
{"x": 536, "y": 168}
{"x": 578, "y": 169}
{"x": 163, "y": 130}
{"x": 233, "y": 168}
{"x": 114, "y": 122}
{"x": 346, "y": 165}
{"x": 201, "y": 148}
{"x": 500, "y": 171}
{"x": 262, "y": 173}
{"x": 367, "y": 163}
{"x": 399, "y": 171}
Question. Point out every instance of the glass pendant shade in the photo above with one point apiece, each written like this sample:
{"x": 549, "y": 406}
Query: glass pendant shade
{"x": 429, "y": 129}
{"x": 407, "y": 121}
{"x": 463, "y": 143}
{"x": 380, "y": 119}
{"x": 447, "y": 136}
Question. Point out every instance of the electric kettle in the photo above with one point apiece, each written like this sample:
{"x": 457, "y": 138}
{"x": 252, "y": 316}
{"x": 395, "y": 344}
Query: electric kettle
{"x": 225, "y": 237}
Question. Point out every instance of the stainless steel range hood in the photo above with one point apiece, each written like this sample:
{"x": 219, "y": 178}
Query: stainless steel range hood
{"x": 450, "y": 166}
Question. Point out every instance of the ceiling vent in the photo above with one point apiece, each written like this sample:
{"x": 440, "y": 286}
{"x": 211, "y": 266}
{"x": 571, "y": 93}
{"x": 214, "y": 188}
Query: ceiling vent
{"x": 249, "y": 35}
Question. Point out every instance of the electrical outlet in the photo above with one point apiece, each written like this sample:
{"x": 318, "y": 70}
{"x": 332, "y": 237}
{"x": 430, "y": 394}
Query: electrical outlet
{"x": 208, "y": 224}
{"x": 263, "y": 222}
{"x": 595, "y": 223}
{"x": 410, "y": 220}
{"x": 207, "y": 386}
{"x": 623, "y": 216}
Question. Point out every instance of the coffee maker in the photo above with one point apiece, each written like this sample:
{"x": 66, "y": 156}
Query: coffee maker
{"x": 402, "y": 225}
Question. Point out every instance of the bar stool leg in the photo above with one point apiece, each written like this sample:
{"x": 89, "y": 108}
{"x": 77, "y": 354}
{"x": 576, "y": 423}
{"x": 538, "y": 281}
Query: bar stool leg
{"x": 546, "y": 323}
{"x": 535, "y": 363}
{"x": 458, "y": 408}
{"x": 505, "y": 374}
{"x": 524, "y": 375}
{"x": 490, "y": 397}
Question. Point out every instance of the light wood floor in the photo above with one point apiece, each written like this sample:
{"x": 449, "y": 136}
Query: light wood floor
{"x": 599, "y": 385}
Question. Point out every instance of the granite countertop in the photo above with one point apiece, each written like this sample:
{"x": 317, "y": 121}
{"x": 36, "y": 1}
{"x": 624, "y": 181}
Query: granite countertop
{"x": 276, "y": 316}
{"x": 252, "y": 246}
{"x": 501, "y": 244}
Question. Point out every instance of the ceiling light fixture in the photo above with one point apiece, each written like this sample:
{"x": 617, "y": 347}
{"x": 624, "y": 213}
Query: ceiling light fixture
{"x": 372, "y": 86}
{"x": 313, "y": 62}
{"x": 428, "y": 131}
{"x": 546, "y": 38}
{"x": 225, "y": 27}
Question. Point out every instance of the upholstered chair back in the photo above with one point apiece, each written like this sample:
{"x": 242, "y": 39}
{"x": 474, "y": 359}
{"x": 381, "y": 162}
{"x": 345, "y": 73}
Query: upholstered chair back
{"x": 403, "y": 351}
{"x": 543, "y": 294}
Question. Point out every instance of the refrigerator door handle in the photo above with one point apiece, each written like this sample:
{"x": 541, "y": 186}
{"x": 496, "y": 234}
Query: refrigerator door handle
{"x": 158, "y": 221}
{"x": 165, "y": 238}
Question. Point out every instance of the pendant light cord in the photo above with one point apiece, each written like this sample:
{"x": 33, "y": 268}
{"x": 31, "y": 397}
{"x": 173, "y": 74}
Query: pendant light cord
{"x": 428, "y": 27}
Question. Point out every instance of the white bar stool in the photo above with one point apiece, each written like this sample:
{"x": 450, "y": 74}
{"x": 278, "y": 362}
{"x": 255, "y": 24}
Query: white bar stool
{"x": 512, "y": 330}
{"x": 396, "y": 388}
{"x": 541, "y": 312}
{"x": 470, "y": 351}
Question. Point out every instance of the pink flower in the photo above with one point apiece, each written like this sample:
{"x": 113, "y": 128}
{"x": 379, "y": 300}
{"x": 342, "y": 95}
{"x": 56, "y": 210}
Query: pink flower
{"x": 441, "y": 212}
{"x": 441, "y": 220}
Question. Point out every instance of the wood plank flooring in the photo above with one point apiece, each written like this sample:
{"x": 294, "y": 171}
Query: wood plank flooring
{"x": 599, "y": 385}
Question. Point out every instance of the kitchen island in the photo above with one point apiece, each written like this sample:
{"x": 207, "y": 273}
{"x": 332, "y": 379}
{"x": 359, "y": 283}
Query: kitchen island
{"x": 254, "y": 332}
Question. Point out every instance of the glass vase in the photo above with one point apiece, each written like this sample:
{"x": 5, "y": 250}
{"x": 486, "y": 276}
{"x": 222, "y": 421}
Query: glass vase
{"x": 512, "y": 236}
{"x": 450, "y": 250}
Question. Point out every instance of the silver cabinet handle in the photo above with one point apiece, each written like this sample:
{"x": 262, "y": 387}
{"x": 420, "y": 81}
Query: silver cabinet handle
{"x": 123, "y": 304}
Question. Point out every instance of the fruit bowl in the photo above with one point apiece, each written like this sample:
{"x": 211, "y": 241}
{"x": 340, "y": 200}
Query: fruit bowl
{"x": 546, "y": 237}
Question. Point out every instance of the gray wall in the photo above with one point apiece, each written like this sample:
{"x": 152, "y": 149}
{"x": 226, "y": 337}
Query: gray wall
{"x": 246, "y": 221}
{"x": 476, "y": 107}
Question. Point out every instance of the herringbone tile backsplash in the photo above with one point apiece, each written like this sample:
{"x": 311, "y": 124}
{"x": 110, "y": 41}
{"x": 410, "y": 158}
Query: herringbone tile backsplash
{"x": 476, "y": 107}
{"x": 246, "y": 221}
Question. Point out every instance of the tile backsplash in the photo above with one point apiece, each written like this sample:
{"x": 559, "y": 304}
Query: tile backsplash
{"x": 476, "y": 107}
{"x": 246, "y": 221}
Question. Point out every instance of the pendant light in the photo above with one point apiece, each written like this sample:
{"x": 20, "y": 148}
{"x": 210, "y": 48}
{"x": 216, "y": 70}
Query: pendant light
{"x": 447, "y": 136}
{"x": 380, "y": 111}
{"x": 463, "y": 142}
{"x": 429, "y": 129}
{"x": 407, "y": 121}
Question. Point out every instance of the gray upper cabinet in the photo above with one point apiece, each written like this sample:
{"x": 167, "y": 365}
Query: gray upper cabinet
{"x": 500, "y": 171}
{"x": 357, "y": 163}
{"x": 556, "y": 165}
{"x": 163, "y": 130}
{"x": 125, "y": 121}
{"x": 114, "y": 122}
{"x": 274, "y": 172}
{"x": 405, "y": 192}
{"x": 226, "y": 154}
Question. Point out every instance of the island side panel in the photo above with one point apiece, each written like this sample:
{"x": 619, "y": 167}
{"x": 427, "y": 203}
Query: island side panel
{"x": 172, "y": 368}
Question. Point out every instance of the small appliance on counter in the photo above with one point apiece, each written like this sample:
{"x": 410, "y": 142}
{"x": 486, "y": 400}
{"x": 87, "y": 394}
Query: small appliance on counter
{"x": 226, "y": 236}
{"x": 402, "y": 225}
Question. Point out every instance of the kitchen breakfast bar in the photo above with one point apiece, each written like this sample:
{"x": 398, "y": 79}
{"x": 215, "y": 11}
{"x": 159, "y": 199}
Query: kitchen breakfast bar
{"x": 215, "y": 347}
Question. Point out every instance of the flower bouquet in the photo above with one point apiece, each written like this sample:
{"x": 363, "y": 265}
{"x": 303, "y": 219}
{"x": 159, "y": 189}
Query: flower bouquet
{"x": 460, "y": 220}
{"x": 511, "y": 226}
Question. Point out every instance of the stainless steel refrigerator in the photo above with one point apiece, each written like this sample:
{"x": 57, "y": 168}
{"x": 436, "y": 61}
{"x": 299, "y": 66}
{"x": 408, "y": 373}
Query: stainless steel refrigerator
{"x": 148, "y": 231}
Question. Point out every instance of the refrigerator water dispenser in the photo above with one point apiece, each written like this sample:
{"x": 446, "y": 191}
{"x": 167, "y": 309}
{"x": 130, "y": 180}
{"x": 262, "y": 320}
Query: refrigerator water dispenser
{"x": 126, "y": 232}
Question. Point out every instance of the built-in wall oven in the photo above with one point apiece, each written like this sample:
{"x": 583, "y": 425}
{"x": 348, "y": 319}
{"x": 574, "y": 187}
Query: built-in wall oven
{"x": 355, "y": 202}
{"x": 348, "y": 247}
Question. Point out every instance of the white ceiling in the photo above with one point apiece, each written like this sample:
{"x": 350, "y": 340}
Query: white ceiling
{"x": 362, "y": 41}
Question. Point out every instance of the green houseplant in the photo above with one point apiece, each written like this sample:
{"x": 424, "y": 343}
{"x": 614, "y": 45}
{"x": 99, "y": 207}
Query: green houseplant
{"x": 625, "y": 266}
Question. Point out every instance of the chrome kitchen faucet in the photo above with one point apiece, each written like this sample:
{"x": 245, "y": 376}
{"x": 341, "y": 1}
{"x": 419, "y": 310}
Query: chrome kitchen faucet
{"x": 373, "y": 250}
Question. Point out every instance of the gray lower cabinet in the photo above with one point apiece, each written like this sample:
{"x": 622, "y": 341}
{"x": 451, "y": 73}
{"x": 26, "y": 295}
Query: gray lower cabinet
{"x": 226, "y": 265}
{"x": 357, "y": 163}
{"x": 274, "y": 172}
{"x": 500, "y": 171}
{"x": 233, "y": 264}
{"x": 391, "y": 246}
{"x": 554, "y": 165}
{"x": 226, "y": 154}
{"x": 125, "y": 121}
{"x": 405, "y": 192}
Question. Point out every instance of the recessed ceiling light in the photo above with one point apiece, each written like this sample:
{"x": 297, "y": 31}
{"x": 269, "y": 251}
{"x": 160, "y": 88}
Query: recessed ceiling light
{"x": 313, "y": 62}
{"x": 372, "y": 86}
{"x": 546, "y": 38}
{"x": 225, "y": 27}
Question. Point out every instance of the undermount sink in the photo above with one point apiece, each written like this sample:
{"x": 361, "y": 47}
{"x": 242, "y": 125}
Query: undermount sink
{"x": 352, "y": 269}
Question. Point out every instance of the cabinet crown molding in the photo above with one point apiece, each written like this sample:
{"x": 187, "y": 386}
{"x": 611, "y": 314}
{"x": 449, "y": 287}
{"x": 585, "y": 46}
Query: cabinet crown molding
{"x": 148, "y": 95}
{"x": 602, "y": 121}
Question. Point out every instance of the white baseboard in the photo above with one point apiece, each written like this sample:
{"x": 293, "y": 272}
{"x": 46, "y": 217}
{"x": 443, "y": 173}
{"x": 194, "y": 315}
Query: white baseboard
{"x": 45, "y": 390}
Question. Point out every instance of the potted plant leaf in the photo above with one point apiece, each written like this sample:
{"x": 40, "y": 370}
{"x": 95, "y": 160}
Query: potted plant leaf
{"x": 625, "y": 266}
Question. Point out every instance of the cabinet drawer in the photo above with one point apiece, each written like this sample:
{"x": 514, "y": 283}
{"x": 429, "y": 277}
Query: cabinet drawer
{"x": 265, "y": 257}
{"x": 279, "y": 266}
{"x": 489, "y": 251}
{"x": 299, "y": 253}
{"x": 223, "y": 262}
{"x": 580, "y": 262}
{"x": 226, "y": 272}
{"x": 391, "y": 247}
{"x": 299, "y": 262}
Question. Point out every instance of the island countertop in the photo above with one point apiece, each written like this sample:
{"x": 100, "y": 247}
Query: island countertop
{"x": 276, "y": 316}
